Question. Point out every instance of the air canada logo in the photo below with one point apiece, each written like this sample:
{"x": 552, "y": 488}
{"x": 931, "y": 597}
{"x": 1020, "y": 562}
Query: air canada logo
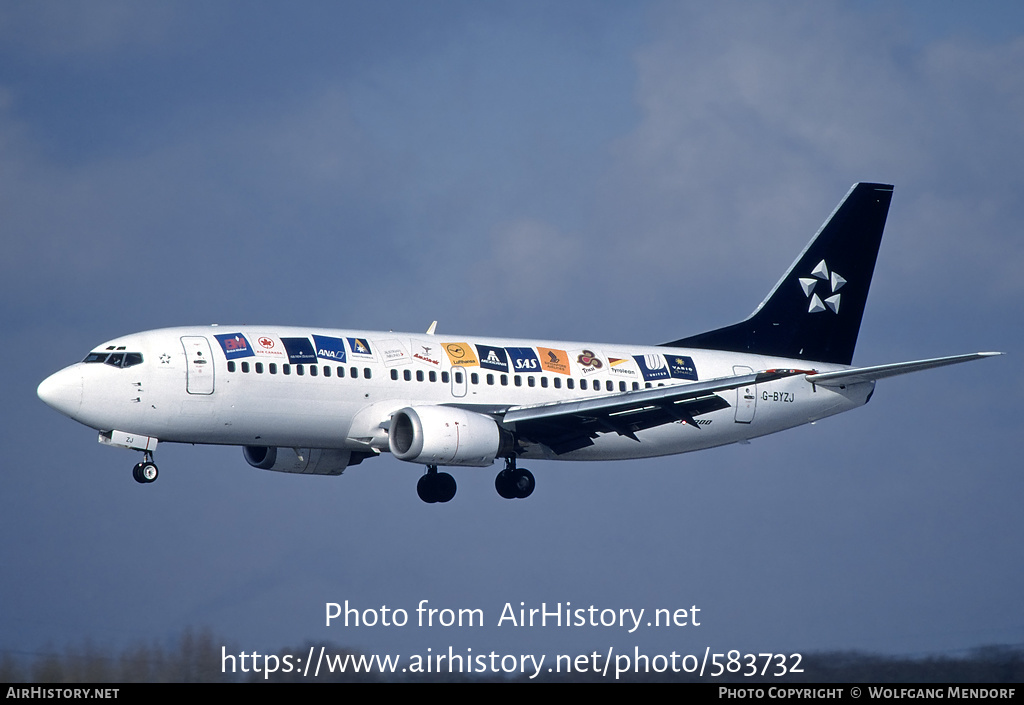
{"x": 266, "y": 343}
{"x": 820, "y": 274}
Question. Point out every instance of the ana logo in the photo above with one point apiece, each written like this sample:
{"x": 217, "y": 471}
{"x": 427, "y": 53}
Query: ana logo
{"x": 266, "y": 343}
{"x": 821, "y": 273}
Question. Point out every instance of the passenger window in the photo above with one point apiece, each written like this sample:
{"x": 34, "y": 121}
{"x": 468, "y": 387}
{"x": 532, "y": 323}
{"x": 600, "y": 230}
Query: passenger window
{"x": 231, "y": 365}
{"x": 610, "y": 386}
{"x": 327, "y": 371}
{"x": 543, "y": 381}
{"x": 445, "y": 377}
{"x": 273, "y": 368}
{"x": 300, "y": 370}
{"x": 432, "y": 376}
{"x": 459, "y": 377}
{"x": 504, "y": 380}
{"x": 394, "y": 374}
{"x": 419, "y": 375}
{"x": 518, "y": 380}
{"x": 354, "y": 371}
{"x": 407, "y": 375}
{"x": 366, "y": 373}
{"x": 341, "y": 371}
{"x": 490, "y": 379}
{"x": 558, "y": 382}
{"x": 583, "y": 384}
{"x": 286, "y": 369}
{"x": 530, "y": 381}
{"x": 474, "y": 378}
{"x": 312, "y": 370}
{"x": 636, "y": 385}
{"x": 570, "y": 383}
{"x": 245, "y": 367}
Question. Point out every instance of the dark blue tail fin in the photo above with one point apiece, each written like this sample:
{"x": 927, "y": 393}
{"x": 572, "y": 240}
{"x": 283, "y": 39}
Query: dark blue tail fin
{"x": 814, "y": 312}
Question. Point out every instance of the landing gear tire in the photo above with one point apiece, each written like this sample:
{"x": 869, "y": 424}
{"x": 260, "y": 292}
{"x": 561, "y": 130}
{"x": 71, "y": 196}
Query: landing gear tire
{"x": 436, "y": 487}
{"x": 145, "y": 472}
{"x": 513, "y": 482}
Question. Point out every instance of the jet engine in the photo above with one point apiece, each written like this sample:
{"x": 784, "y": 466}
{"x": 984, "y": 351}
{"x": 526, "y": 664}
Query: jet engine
{"x": 304, "y": 461}
{"x": 444, "y": 435}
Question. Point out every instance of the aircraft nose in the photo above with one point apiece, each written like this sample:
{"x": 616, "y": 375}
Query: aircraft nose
{"x": 63, "y": 391}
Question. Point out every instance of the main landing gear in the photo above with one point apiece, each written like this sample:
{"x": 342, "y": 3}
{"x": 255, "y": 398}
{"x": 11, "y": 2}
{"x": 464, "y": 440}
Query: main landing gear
{"x": 145, "y": 472}
{"x": 436, "y": 486}
{"x": 513, "y": 482}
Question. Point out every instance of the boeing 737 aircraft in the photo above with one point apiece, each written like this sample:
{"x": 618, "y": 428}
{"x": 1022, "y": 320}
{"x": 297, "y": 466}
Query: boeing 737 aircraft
{"x": 317, "y": 401}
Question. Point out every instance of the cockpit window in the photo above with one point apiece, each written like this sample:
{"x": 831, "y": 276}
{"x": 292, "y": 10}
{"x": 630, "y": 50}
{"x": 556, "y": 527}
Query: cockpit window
{"x": 118, "y": 359}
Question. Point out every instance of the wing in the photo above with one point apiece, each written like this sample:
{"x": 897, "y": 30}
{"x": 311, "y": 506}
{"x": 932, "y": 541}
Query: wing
{"x": 570, "y": 425}
{"x": 869, "y": 374}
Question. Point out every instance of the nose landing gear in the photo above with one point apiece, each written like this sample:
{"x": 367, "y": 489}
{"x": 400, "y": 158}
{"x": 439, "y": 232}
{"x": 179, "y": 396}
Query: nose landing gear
{"x": 146, "y": 471}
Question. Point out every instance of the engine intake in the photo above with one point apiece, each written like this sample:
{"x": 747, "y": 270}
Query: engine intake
{"x": 304, "y": 461}
{"x": 444, "y": 435}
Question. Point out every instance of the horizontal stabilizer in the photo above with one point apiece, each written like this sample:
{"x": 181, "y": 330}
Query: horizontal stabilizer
{"x": 869, "y": 374}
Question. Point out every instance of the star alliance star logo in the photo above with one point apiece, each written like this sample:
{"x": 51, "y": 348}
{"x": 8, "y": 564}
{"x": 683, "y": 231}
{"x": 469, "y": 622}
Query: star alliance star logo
{"x": 821, "y": 273}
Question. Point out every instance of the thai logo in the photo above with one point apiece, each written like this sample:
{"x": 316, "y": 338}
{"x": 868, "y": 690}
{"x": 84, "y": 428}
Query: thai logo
{"x": 588, "y": 359}
{"x": 820, "y": 274}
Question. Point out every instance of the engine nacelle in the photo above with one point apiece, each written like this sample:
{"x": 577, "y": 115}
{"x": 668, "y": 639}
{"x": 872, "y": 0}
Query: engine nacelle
{"x": 305, "y": 461}
{"x": 444, "y": 435}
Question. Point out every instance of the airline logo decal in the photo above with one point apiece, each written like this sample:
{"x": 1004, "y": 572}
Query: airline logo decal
{"x": 392, "y": 351}
{"x": 360, "y": 347}
{"x": 652, "y": 367}
{"x": 300, "y": 351}
{"x": 234, "y": 345}
{"x": 523, "y": 360}
{"x": 460, "y": 354}
{"x": 681, "y": 367}
{"x": 622, "y": 365}
{"x": 492, "y": 358}
{"x": 328, "y": 348}
{"x": 426, "y": 352}
{"x": 266, "y": 346}
{"x": 821, "y": 274}
{"x": 554, "y": 360}
{"x": 588, "y": 362}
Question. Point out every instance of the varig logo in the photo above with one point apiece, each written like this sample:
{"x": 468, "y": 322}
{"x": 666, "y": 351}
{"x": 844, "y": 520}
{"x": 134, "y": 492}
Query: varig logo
{"x": 821, "y": 274}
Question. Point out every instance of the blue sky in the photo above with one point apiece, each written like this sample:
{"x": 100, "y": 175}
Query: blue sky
{"x": 621, "y": 172}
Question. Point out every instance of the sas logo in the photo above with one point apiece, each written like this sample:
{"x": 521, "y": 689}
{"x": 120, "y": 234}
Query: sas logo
{"x": 523, "y": 359}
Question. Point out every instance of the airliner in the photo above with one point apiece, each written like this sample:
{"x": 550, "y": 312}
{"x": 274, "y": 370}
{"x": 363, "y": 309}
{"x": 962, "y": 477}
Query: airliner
{"x": 315, "y": 401}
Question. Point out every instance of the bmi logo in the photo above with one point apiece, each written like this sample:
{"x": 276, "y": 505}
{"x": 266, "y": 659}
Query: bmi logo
{"x": 820, "y": 274}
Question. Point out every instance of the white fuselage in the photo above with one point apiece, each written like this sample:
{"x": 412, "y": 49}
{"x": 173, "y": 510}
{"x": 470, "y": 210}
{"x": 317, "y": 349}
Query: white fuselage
{"x": 192, "y": 386}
